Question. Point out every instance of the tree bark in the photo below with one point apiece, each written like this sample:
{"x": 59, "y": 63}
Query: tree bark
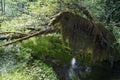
{"x": 29, "y": 36}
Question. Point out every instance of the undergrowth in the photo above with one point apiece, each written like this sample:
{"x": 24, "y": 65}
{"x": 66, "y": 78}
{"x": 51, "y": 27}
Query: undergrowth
{"x": 39, "y": 71}
{"x": 49, "y": 45}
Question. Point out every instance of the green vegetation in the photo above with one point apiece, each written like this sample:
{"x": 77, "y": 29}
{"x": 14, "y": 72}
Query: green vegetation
{"x": 49, "y": 45}
{"x": 14, "y": 65}
{"x": 29, "y": 52}
{"x": 38, "y": 71}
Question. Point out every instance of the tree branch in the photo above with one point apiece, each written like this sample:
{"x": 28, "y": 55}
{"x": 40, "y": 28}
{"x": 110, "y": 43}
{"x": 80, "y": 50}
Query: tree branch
{"x": 29, "y": 36}
{"x": 13, "y": 33}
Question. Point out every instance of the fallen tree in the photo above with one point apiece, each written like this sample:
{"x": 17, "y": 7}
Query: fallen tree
{"x": 11, "y": 35}
{"x": 29, "y": 36}
{"x": 83, "y": 35}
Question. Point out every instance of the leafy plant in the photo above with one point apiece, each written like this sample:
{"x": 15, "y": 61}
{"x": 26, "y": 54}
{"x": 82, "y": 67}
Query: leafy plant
{"x": 39, "y": 71}
{"x": 48, "y": 45}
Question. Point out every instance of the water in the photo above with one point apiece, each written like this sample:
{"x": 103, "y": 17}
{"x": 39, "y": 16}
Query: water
{"x": 74, "y": 63}
{"x": 74, "y": 72}
{"x": 77, "y": 71}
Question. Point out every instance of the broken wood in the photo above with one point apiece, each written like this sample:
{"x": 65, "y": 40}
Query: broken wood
{"x": 29, "y": 36}
{"x": 13, "y": 33}
{"x": 79, "y": 33}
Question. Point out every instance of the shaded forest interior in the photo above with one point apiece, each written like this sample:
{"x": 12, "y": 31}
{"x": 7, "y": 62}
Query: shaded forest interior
{"x": 59, "y": 40}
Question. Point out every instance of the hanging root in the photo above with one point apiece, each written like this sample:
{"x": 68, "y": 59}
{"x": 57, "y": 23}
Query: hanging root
{"x": 81, "y": 33}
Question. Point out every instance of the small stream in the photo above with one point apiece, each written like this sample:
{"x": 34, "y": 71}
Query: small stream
{"x": 98, "y": 71}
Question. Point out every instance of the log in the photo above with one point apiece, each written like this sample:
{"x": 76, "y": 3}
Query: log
{"x": 29, "y": 36}
{"x": 13, "y": 33}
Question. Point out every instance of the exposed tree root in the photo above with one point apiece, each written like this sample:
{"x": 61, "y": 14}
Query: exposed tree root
{"x": 84, "y": 35}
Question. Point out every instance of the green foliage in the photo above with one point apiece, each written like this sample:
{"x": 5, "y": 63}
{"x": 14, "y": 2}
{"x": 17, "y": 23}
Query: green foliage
{"x": 13, "y": 65}
{"x": 49, "y": 45}
{"x": 13, "y": 55}
{"x": 113, "y": 12}
{"x": 22, "y": 14}
{"x": 96, "y": 8}
{"x": 116, "y": 31}
{"x": 39, "y": 71}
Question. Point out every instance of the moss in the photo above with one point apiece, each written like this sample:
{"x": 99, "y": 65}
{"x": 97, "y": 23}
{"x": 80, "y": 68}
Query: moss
{"x": 81, "y": 33}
